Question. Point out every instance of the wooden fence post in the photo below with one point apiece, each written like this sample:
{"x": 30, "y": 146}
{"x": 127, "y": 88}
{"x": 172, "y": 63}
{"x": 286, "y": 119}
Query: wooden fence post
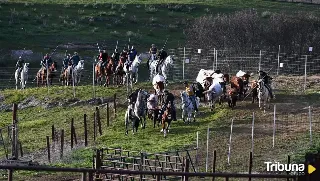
{"x": 94, "y": 126}
{"x": 85, "y": 130}
{"x": 48, "y": 148}
{"x": 21, "y": 150}
{"x": 115, "y": 105}
{"x": 14, "y": 138}
{"x": 62, "y": 143}
{"x": 71, "y": 130}
{"x": 10, "y": 175}
{"x": 214, "y": 163}
{"x": 74, "y": 135}
{"x": 108, "y": 115}
{"x": 186, "y": 178}
{"x": 98, "y": 120}
{"x": 250, "y": 165}
{"x": 84, "y": 176}
{"x": 52, "y": 133}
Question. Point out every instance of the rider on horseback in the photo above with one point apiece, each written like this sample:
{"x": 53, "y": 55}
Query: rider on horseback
{"x": 162, "y": 56}
{"x": 168, "y": 98}
{"x": 266, "y": 79}
{"x": 66, "y": 62}
{"x": 132, "y": 56}
{"x": 46, "y": 59}
{"x": 191, "y": 93}
{"x": 19, "y": 64}
{"x": 115, "y": 56}
{"x": 103, "y": 59}
{"x": 75, "y": 59}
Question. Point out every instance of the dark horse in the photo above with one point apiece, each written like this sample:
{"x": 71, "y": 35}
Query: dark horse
{"x": 166, "y": 120}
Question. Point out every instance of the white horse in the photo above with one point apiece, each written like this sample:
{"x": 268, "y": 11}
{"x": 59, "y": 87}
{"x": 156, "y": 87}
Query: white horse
{"x": 188, "y": 107}
{"x": 164, "y": 67}
{"x": 17, "y": 75}
{"x": 24, "y": 75}
{"x": 263, "y": 95}
{"x": 77, "y": 71}
{"x": 213, "y": 93}
{"x": 132, "y": 72}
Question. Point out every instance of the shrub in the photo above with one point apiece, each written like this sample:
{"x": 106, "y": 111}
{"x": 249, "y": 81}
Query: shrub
{"x": 123, "y": 15}
{"x": 207, "y": 10}
{"x": 80, "y": 11}
{"x": 151, "y": 9}
{"x": 115, "y": 33}
{"x": 133, "y": 19}
{"x": 111, "y": 13}
{"x": 171, "y": 14}
{"x": 95, "y": 29}
{"x": 172, "y": 27}
{"x": 113, "y": 6}
{"x": 152, "y": 19}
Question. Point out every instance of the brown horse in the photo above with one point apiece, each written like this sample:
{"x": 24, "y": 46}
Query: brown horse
{"x": 246, "y": 85}
{"x": 237, "y": 83}
{"x": 42, "y": 74}
{"x": 166, "y": 118}
{"x": 119, "y": 72}
{"x": 104, "y": 71}
{"x": 66, "y": 76}
{"x": 232, "y": 97}
{"x": 254, "y": 90}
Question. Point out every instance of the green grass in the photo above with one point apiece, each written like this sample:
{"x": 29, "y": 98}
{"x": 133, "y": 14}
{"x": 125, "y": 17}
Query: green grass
{"x": 39, "y": 25}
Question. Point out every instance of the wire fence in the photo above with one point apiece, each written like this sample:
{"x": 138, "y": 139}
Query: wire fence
{"x": 271, "y": 137}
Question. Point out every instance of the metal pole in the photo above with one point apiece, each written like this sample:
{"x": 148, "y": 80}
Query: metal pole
{"x": 74, "y": 91}
{"x": 47, "y": 75}
{"x": 93, "y": 77}
{"x": 274, "y": 125}
{"x": 229, "y": 151}
{"x": 260, "y": 60}
{"x": 184, "y": 59}
{"x": 310, "y": 120}
{"x": 214, "y": 58}
{"x": 197, "y": 151}
{"x": 305, "y": 72}
{"x": 252, "y": 132}
{"x": 207, "y": 157}
{"x": 278, "y": 61}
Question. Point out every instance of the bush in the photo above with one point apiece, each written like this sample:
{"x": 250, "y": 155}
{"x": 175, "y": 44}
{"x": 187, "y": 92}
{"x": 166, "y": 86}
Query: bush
{"x": 266, "y": 14}
{"x": 153, "y": 20}
{"x": 115, "y": 33}
{"x": 151, "y": 9}
{"x": 133, "y": 19}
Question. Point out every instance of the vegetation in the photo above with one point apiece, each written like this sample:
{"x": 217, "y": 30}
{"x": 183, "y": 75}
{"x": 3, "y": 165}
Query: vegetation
{"x": 49, "y": 23}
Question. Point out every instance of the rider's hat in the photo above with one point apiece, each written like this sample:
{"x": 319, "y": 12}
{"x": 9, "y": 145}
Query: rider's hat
{"x": 153, "y": 45}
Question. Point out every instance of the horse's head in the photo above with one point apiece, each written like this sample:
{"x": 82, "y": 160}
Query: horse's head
{"x": 26, "y": 66}
{"x": 169, "y": 60}
{"x": 54, "y": 66}
{"x": 80, "y": 65}
{"x": 246, "y": 77}
{"x": 137, "y": 60}
{"x": 260, "y": 85}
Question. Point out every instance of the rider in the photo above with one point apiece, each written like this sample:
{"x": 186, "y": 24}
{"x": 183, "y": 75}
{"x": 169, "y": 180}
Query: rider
{"x": 75, "y": 59}
{"x": 103, "y": 58}
{"x": 168, "y": 97}
{"x": 115, "y": 56}
{"x": 124, "y": 53}
{"x": 66, "y": 62}
{"x": 266, "y": 79}
{"x": 19, "y": 64}
{"x": 46, "y": 59}
{"x": 132, "y": 55}
{"x": 161, "y": 56}
{"x": 191, "y": 93}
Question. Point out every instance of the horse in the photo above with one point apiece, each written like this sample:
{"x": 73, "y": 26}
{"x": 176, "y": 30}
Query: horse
{"x": 24, "y": 75}
{"x": 166, "y": 120}
{"x": 135, "y": 113}
{"x": 164, "y": 67}
{"x": 43, "y": 73}
{"x": 140, "y": 107}
{"x": 17, "y": 75}
{"x": 188, "y": 107}
{"x": 254, "y": 91}
{"x": 77, "y": 72}
{"x": 199, "y": 91}
{"x": 237, "y": 82}
{"x": 213, "y": 94}
{"x": 67, "y": 75}
{"x": 103, "y": 71}
{"x": 132, "y": 71}
{"x": 263, "y": 94}
{"x": 119, "y": 73}
{"x": 153, "y": 109}
{"x": 246, "y": 85}
{"x": 232, "y": 97}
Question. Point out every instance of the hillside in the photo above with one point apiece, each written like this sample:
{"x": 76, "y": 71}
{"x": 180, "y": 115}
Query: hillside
{"x": 42, "y": 25}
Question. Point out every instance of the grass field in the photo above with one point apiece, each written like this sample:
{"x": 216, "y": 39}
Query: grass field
{"x": 42, "y": 25}
{"x": 35, "y": 124}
